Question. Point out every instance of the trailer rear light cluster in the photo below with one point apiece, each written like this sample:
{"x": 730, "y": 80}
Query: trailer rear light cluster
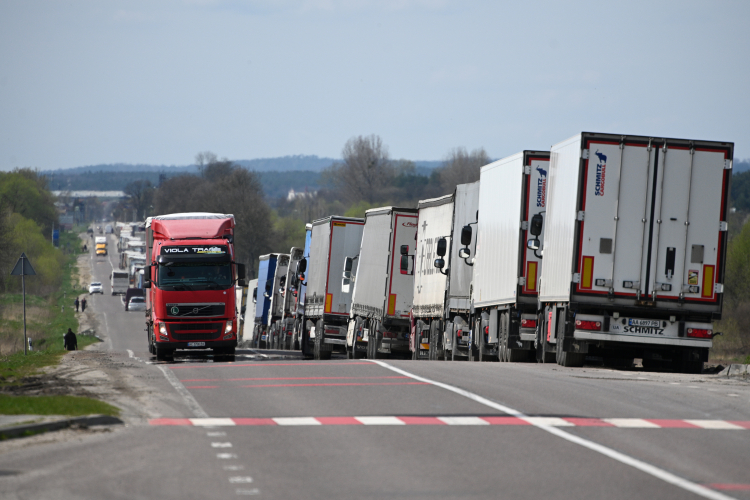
{"x": 700, "y": 333}
{"x": 528, "y": 323}
{"x": 459, "y": 333}
{"x": 333, "y": 331}
{"x": 390, "y": 335}
{"x": 582, "y": 324}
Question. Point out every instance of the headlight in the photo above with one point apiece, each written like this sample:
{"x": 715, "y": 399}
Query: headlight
{"x": 162, "y": 328}
{"x": 228, "y": 328}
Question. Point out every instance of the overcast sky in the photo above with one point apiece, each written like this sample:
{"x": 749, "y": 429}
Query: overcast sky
{"x": 88, "y": 82}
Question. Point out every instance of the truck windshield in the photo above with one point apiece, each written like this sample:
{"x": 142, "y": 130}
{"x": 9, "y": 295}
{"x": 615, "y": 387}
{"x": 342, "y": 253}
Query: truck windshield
{"x": 195, "y": 276}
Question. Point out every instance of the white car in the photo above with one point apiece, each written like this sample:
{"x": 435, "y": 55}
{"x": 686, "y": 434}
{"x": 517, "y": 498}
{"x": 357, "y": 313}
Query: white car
{"x": 137, "y": 304}
{"x": 96, "y": 287}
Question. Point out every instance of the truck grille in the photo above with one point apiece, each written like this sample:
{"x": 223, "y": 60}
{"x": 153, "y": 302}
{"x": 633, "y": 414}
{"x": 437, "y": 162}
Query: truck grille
{"x": 196, "y": 331}
{"x": 195, "y": 310}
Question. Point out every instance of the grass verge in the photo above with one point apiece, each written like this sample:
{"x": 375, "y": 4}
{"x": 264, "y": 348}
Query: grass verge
{"x": 54, "y": 405}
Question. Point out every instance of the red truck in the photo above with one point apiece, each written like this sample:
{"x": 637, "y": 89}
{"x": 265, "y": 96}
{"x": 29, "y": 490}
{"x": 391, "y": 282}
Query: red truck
{"x": 191, "y": 280}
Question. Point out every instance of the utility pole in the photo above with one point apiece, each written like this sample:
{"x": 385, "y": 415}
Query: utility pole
{"x": 23, "y": 268}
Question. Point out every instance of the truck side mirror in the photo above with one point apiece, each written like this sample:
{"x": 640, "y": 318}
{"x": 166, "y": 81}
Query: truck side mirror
{"x": 442, "y": 246}
{"x": 533, "y": 244}
{"x": 241, "y": 282}
{"x": 146, "y": 284}
{"x": 346, "y": 284}
{"x": 466, "y": 236}
{"x": 404, "y": 249}
{"x": 255, "y": 295}
{"x": 464, "y": 253}
{"x": 241, "y": 272}
{"x": 302, "y": 266}
{"x": 404, "y": 263}
{"x": 439, "y": 263}
{"x": 348, "y": 265}
{"x": 535, "y": 228}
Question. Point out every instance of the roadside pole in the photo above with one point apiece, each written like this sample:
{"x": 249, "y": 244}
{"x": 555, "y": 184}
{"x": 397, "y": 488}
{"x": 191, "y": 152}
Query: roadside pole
{"x": 23, "y": 268}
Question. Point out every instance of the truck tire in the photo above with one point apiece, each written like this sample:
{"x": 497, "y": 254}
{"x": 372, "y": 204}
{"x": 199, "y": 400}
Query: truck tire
{"x": 163, "y": 354}
{"x": 434, "y": 354}
{"x": 566, "y": 359}
{"x": 684, "y": 362}
{"x": 305, "y": 341}
{"x": 318, "y": 352}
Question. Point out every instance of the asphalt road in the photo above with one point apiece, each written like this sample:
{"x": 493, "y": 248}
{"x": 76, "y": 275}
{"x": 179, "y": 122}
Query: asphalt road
{"x": 275, "y": 426}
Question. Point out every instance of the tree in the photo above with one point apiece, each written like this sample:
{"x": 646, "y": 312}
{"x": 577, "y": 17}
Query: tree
{"x": 141, "y": 194}
{"x": 366, "y": 171}
{"x": 461, "y": 167}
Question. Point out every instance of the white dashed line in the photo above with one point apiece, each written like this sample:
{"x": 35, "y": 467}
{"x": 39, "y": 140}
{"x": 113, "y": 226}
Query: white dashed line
{"x": 240, "y": 480}
{"x": 216, "y": 434}
{"x": 212, "y": 422}
{"x": 221, "y": 445}
{"x": 714, "y": 424}
{"x": 380, "y": 420}
{"x": 609, "y": 452}
{"x": 733, "y": 395}
{"x": 234, "y": 467}
{"x": 296, "y": 421}
{"x": 463, "y": 421}
{"x": 631, "y": 423}
{"x": 553, "y": 421}
{"x": 226, "y": 456}
{"x": 186, "y": 396}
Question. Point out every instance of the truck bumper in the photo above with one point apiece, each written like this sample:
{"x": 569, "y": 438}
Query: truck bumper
{"x": 636, "y": 339}
{"x": 210, "y": 344}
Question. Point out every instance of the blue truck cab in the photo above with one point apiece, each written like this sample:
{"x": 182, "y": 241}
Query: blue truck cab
{"x": 266, "y": 270}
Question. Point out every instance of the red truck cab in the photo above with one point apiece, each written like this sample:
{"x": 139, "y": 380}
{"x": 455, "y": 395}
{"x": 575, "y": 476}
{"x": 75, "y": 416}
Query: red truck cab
{"x": 191, "y": 280}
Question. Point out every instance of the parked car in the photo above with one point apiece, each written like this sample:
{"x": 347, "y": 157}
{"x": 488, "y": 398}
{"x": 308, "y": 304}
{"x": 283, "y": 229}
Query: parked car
{"x": 137, "y": 304}
{"x": 96, "y": 287}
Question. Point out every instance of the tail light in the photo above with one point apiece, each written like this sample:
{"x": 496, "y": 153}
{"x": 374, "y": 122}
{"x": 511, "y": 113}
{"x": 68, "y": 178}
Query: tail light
{"x": 582, "y": 324}
{"x": 332, "y": 331}
{"x": 486, "y": 330}
{"x": 700, "y": 333}
{"x": 389, "y": 335}
{"x": 459, "y": 333}
{"x": 528, "y": 323}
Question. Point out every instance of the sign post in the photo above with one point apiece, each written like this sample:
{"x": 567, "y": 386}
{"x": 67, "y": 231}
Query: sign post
{"x": 23, "y": 268}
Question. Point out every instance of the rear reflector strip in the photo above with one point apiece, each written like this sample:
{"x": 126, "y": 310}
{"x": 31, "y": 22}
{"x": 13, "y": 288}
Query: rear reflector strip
{"x": 700, "y": 333}
{"x": 588, "y": 325}
{"x": 528, "y": 323}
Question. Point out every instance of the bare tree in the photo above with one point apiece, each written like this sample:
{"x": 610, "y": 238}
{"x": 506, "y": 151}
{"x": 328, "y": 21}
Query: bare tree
{"x": 461, "y": 167}
{"x": 141, "y": 194}
{"x": 366, "y": 171}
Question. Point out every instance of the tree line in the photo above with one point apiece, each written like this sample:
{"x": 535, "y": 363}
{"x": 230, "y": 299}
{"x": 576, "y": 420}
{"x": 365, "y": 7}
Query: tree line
{"x": 27, "y": 216}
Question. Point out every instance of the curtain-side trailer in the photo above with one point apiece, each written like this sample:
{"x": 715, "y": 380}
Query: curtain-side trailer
{"x": 440, "y": 314}
{"x": 635, "y": 249}
{"x": 289, "y": 285}
{"x": 383, "y": 291}
{"x": 266, "y": 270}
{"x": 326, "y": 304}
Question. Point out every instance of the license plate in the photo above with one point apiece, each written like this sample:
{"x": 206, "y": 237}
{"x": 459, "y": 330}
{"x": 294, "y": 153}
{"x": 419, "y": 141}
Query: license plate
{"x": 644, "y": 322}
{"x": 196, "y": 344}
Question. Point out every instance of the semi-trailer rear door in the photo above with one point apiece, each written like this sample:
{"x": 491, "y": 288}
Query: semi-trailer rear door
{"x": 651, "y": 219}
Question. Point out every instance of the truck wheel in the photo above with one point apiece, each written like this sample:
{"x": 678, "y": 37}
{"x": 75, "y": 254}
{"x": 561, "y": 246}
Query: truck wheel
{"x": 319, "y": 353}
{"x": 566, "y": 359}
{"x": 434, "y": 355}
{"x": 164, "y": 354}
{"x": 305, "y": 341}
{"x": 513, "y": 355}
{"x": 685, "y": 362}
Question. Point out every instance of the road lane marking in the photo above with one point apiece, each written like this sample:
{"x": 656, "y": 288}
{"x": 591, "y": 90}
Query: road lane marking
{"x": 623, "y": 423}
{"x": 729, "y": 486}
{"x": 226, "y": 456}
{"x": 632, "y": 423}
{"x": 296, "y": 421}
{"x": 334, "y": 384}
{"x": 234, "y": 467}
{"x": 247, "y": 379}
{"x": 264, "y": 364}
{"x": 221, "y": 445}
{"x": 212, "y": 422}
{"x": 186, "y": 396}
{"x": 216, "y": 434}
{"x": 609, "y": 452}
{"x": 240, "y": 480}
{"x": 380, "y": 420}
{"x": 254, "y": 491}
{"x": 714, "y": 424}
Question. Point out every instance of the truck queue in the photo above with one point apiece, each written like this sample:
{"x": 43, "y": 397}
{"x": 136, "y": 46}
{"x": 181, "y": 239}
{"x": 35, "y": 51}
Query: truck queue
{"x": 606, "y": 245}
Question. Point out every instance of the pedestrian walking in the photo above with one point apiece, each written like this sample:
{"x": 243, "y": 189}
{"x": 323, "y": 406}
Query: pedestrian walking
{"x": 83, "y": 305}
{"x": 70, "y": 341}
{"x": 76, "y": 303}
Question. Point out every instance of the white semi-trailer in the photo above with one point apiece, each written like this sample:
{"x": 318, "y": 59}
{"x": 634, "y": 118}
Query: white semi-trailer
{"x": 512, "y": 204}
{"x": 326, "y": 305}
{"x": 289, "y": 289}
{"x": 275, "y": 291}
{"x": 120, "y": 282}
{"x": 383, "y": 288}
{"x": 440, "y": 313}
{"x": 634, "y": 251}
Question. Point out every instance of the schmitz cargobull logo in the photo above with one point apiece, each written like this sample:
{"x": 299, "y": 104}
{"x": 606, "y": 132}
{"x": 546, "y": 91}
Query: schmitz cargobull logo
{"x": 601, "y": 172}
{"x": 541, "y": 187}
{"x": 409, "y": 224}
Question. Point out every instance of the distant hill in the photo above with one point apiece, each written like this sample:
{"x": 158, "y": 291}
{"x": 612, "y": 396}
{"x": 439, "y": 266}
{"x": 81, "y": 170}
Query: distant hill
{"x": 741, "y": 166}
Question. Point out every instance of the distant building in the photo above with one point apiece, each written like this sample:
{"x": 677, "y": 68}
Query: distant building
{"x": 293, "y": 195}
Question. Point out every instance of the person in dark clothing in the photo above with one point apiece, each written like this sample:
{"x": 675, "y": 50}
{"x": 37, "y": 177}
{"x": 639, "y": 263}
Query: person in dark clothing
{"x": 83, "y": 305}
{"x": 70, "y": 341}
{"x": 76, "y": 303}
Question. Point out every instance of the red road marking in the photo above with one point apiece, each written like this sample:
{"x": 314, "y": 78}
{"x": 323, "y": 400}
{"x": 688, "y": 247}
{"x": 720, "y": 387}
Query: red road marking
{"x": 170, "y": 421}
{"x": 505, "y": 421}
{"x": 745, "y": 424}
{"x": 588, "y": 422}
{"x": 201, "y": 386}
{"x": 282, "y": 378}
{"x": 673, "y": 424}
{"x": 421, "y": 421}
{"x": 254, "y": 421}
{"x": 338, "y": 421}
{"x": 335, "y": 384}
{"x": 729, "y": 487}
{"x": 261, "y": 363}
